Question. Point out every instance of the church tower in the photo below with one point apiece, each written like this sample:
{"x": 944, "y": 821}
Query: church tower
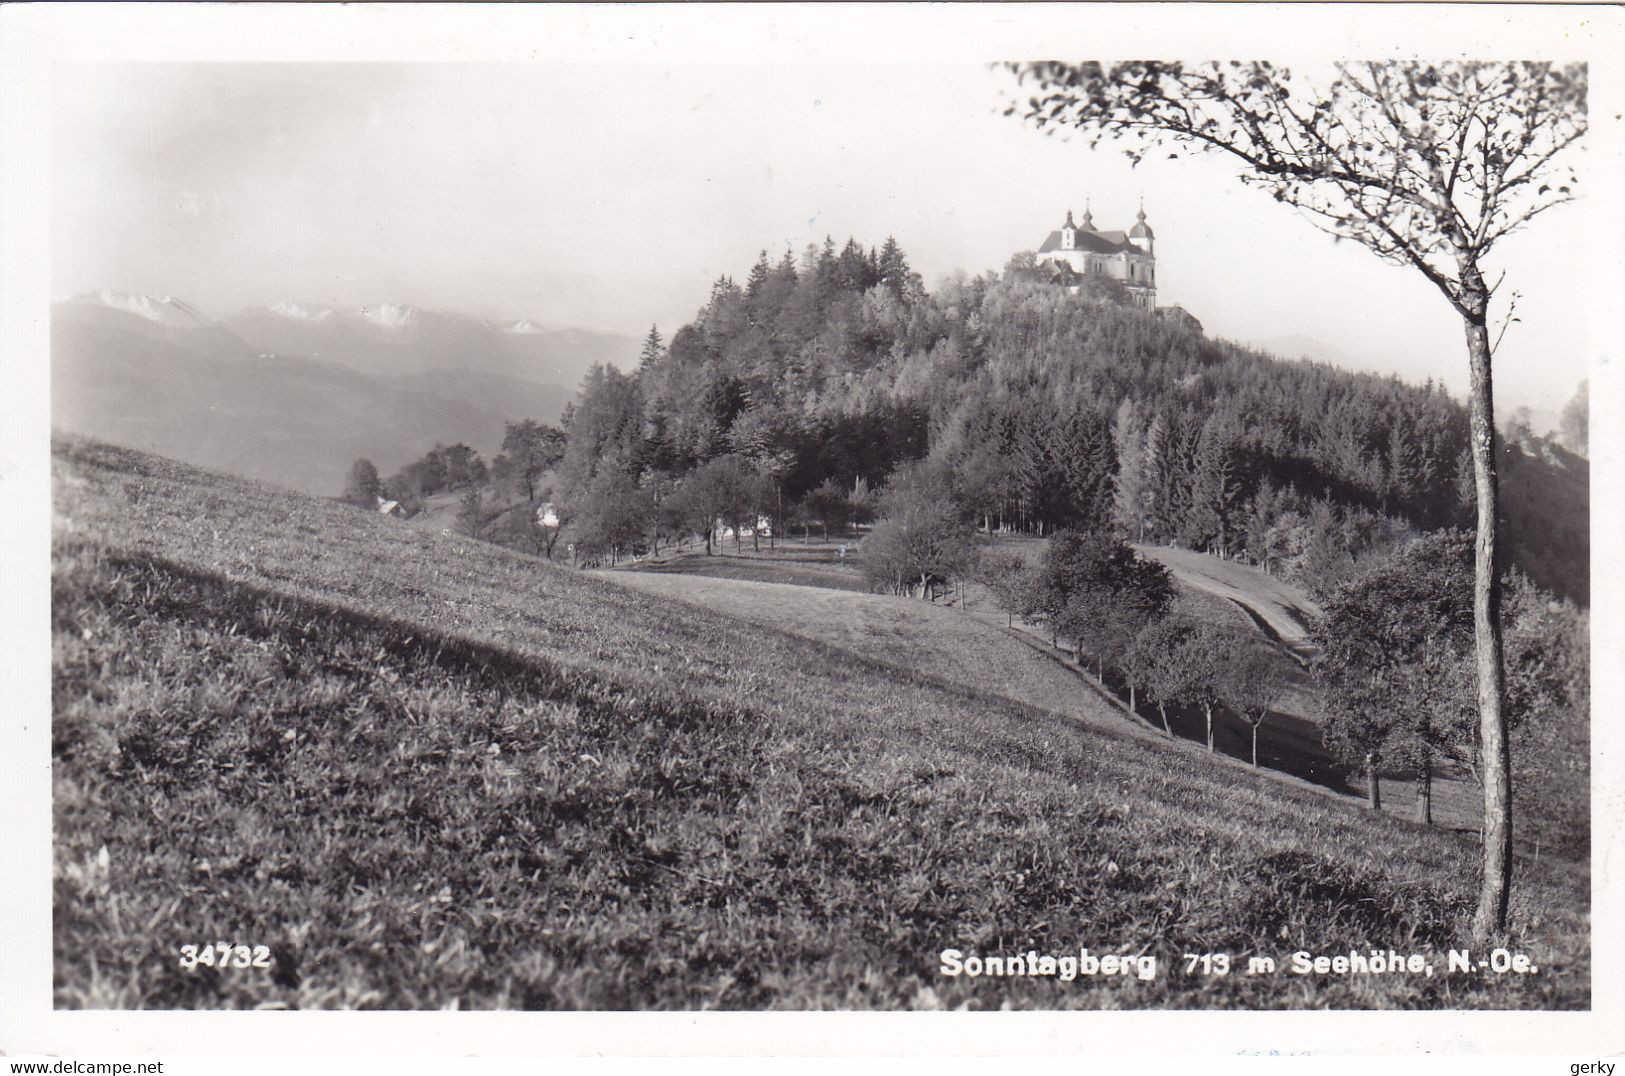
{"x": 1142, "y": 234}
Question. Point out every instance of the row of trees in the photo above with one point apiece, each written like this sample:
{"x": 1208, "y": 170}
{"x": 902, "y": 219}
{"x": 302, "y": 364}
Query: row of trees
{"x": 1116, "y": 609}
{"x": 1394, "y": 658}
{"x": 1392, "y": 672}
{"x": 1393, "y": 666}
{"x": 1393, "y": 663}
{"x": 1092, "y": 590}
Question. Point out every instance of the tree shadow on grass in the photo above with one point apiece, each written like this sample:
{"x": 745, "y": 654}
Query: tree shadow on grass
{"x": 1287, "y": 743}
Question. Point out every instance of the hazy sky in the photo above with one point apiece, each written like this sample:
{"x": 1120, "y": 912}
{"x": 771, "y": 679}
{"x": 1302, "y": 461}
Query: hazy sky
{"x": 612, "y": 195}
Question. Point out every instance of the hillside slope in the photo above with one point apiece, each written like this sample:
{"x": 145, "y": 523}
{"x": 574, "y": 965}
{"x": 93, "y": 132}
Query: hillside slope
{"x": 1546, "y": 494}
{"x": 947, "y": 645}
{"x": 424, "y": 771}
{"x": 797, "y": 589}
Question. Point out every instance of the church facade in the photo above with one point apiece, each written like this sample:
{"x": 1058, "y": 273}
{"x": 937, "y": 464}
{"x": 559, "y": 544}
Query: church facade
{"x": 1078, "y": 250}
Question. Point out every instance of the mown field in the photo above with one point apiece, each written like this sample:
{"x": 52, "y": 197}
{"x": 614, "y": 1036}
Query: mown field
{"x": 943, "y": 644}
{"x": 972, "y": 647}
{"x": 823, "y": 565}
{"x": 428, "y": 772}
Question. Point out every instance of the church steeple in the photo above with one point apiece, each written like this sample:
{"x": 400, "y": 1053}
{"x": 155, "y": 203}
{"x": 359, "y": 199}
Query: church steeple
{"x": 1088, "y": 217}
{"x": 1141, "y": 233}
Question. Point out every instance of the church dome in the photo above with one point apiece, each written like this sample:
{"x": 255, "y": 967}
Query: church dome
{"x": 1141, "y": 229}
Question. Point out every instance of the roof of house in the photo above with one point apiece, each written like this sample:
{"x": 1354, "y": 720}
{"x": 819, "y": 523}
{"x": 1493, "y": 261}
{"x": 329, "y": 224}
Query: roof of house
{"x": 1091, "y": 242}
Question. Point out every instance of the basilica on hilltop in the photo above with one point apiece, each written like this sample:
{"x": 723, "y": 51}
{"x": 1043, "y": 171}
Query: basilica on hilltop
{"x": 1078, "y": 250}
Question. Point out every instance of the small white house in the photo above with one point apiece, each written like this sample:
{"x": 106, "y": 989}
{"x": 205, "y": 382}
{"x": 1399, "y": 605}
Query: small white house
{"x": 764, "y": 527}
{"x": 547, "y": 515}
{"x": 390, "y": 508}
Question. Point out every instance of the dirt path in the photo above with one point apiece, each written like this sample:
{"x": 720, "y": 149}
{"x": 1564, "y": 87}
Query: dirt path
{"x": 1277, "y": 608}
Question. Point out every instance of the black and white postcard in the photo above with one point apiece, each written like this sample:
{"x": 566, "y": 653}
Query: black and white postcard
{"x": 653, "y": 521}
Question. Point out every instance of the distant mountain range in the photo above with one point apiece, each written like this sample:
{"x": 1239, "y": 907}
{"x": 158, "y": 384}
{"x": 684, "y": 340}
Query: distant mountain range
{"x": 295, "y": 394}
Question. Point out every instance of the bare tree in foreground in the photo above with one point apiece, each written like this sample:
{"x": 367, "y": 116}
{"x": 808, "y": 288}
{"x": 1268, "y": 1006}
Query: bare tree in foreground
{"x": 1428, "y": 166}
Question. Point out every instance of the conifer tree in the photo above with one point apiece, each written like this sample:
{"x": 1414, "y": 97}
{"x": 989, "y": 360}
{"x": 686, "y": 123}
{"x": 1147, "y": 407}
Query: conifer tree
{"x": 1131, "y": 490}
{"x": 654, "y": 349}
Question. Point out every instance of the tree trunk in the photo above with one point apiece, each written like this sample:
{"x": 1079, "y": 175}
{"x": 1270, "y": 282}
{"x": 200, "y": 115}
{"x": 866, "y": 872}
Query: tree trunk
{"x": 1209, "y": 711}
{"x": 1162, "y": 708}
{"x": 1131, "y": 707}
{"x": 1424, "y": 794}
{"x": 1255, "y": 747}
{"x": 1491, "y": 915}
{"x": 1373, "y": 784}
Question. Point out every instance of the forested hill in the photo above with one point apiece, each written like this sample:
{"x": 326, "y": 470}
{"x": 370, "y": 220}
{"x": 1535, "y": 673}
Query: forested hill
{"x": 1036, "y": 408}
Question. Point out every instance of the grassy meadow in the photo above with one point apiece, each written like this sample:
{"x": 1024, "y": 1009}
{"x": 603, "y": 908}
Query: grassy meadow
{"x": 428, "y": 772}
{"x": 820, "y": 565}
